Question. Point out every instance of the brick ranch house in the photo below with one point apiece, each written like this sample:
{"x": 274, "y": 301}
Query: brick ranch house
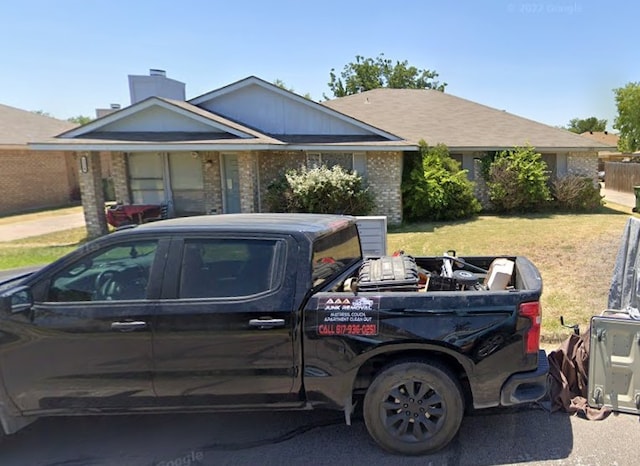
{"x": 31, "y": 179}
{"x": 218, "y": 152}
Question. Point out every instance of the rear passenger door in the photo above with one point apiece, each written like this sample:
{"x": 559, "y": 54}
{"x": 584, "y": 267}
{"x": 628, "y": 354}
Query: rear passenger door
{"x": 223, "y": 333}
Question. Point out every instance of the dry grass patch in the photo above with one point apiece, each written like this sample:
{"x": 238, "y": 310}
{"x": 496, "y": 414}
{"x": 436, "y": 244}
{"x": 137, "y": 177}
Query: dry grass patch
{"x": 575, "y": 254}
{"x": 6, "y": 220}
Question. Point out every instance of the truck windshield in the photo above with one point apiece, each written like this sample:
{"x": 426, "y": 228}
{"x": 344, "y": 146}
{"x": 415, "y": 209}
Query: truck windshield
{"x": 335, "y": 252}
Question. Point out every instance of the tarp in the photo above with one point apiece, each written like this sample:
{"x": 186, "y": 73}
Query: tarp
{"x": 625, "y": 285}
{"x": 569, "y": 377}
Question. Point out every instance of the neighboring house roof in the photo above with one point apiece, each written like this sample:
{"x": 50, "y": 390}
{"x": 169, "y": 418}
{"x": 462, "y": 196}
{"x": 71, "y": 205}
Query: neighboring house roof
{"x": 437, "y": 117}
{"x": 18, "y": 127}
{"x": 604, "y": 137}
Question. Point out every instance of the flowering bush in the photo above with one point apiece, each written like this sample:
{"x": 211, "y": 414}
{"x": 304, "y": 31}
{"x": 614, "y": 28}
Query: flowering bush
{"x": 320, "y": 190}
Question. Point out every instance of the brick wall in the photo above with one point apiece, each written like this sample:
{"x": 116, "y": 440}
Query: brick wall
{"x": 212, "y": 182}
{"x": 92, "y": 196}
{"x": 36, "y": 179}
{"x": 271, "y": 165}
{"x": 119, "y": 175}
{"x": 247, "y": 171}
{"x": 583, "y": 164}
{"x": 384, "y": 177}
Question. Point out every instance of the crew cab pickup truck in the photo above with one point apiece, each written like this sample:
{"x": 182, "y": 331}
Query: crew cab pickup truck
{"x": 270, "y": 311}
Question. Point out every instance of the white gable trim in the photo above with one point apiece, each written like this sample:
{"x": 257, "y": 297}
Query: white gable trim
{"x": 191, "y": 146}
{"x": 145, "y": 104}
{"x": 253, "y": 80}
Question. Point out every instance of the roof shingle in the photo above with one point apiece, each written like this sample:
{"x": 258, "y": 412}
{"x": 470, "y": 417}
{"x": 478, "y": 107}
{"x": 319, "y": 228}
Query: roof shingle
{"x": 18, "y": 127}
{"x": 437, "y": 117}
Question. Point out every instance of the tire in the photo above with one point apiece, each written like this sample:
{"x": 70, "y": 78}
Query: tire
{"x": 413, "y": 407}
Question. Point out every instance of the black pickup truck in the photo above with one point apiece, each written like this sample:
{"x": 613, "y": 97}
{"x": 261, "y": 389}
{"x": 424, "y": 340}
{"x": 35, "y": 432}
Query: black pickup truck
{"x": 270, "y": 311}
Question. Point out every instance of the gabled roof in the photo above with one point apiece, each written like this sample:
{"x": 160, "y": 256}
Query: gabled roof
{"x": 206, "y": 100}
{"x": 129, "y": 129}
{"x": 160, "y": 124}
{"x": 461, "y": 124}
{"x": 18, "y": 127}
{"x": 200, "y": 118}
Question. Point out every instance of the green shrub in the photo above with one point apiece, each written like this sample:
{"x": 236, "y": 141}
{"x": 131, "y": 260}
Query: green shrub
{"x": 435, "y": 188}
{"x": 518, "y": 181}
{"x": 576, "y": 193}
{"x": 320, "y": 190}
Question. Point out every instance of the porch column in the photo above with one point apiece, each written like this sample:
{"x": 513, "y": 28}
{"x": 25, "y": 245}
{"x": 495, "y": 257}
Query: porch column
{"x": 248, "y": 181}
{"x": 384, "y": 178}
{"x": 90, "y": 177}
{"x": 212, "y": 183}
{"x": 120, "y": 175}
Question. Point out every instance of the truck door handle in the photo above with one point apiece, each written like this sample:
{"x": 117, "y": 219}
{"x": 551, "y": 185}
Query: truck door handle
{"x": 266, "y": 323}
{"x": 128, "y": 326}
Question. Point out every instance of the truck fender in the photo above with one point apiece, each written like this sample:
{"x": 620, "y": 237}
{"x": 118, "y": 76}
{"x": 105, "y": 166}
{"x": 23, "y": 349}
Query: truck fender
{"x": 395, "y": 352}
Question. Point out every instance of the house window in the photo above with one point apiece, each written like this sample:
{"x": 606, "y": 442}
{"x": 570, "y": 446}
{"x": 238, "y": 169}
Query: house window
{"x": 349, "y": 161}
{"x": 174, "y": 178}
{"x": 551, "y": 161}
{"x": 146, "y": 178}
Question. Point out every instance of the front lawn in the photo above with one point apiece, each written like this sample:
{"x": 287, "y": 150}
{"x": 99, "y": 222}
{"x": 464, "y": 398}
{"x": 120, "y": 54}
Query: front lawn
{"x": 575, "y": 254}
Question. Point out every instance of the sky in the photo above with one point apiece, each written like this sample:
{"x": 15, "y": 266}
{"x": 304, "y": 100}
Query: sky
{"x": 548, "y": 60}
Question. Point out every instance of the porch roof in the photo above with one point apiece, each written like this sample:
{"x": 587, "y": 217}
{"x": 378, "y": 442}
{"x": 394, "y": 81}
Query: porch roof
{"x": 140, "y": 142}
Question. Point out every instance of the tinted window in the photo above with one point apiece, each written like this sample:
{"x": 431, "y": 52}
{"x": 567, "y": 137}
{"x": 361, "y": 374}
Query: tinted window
{"x": 334, "y": 252}
{"x": 119, "y": 272}
{"x": 214, "y": 268}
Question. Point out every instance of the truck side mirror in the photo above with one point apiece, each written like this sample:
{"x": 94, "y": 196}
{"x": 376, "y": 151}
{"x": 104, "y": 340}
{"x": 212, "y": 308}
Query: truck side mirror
{"x": 17, "y": 300}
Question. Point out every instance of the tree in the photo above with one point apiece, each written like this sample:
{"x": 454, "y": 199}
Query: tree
{"x": 434, "y": 187}
{"x": 518, "y": 180}
{"x": 282, "y": 85}
{"x": 371, "y": 73}
{"x": 628, "y": 119}
{"x": 42, "y": 113}
{"x": 80, "y": 119}
{"x": 579, "y": 125}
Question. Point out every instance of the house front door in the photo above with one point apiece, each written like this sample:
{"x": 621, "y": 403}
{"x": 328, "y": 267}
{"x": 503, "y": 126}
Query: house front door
{"x": 231, "y": 183}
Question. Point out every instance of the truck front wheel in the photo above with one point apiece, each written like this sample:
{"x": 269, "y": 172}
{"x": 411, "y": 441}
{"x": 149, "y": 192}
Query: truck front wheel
{"x": 413, "y": 407}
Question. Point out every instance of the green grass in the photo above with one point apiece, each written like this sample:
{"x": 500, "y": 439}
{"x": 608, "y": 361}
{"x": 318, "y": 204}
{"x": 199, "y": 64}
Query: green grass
{"x": 41, "y": 249}
{"x": 575, "y": 255}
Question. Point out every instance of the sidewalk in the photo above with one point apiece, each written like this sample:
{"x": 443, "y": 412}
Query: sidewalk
{"x": 40, "y": 226}
{"x": 619, "y": 197}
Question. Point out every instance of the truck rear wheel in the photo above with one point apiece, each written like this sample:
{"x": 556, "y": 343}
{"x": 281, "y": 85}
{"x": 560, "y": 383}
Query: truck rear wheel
{"x": 413, "y": 408}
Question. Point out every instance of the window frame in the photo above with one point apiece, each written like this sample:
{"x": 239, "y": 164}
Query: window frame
{"x": 42, "y": 287}
{"x": 171, "y": 288}
{"x": 315, "y": 159}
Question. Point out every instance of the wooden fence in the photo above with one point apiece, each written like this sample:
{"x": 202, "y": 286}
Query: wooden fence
{"x": 621, "y": 176}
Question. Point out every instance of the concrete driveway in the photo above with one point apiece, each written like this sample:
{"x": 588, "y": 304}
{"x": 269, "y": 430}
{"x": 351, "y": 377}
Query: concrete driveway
{"x": 40, "y": 226}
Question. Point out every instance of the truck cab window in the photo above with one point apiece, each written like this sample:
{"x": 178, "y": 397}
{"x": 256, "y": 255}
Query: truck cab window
{"x": 215, "y": 268}
{"x": 120, "y": 272}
